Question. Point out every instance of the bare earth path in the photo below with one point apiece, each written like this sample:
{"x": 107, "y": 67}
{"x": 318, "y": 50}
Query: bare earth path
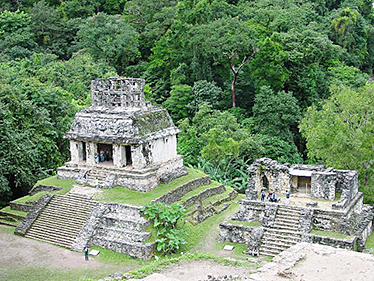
{"x": 27, "y": 259}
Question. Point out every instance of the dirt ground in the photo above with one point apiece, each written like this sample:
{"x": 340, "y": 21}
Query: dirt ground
{"x": 25, "y": 259}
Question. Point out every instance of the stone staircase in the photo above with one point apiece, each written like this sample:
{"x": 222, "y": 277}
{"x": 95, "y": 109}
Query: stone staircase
{"x": 96, "y": 174}
{"x": 122, "y": 229}
{"x": 283, "y": 234}
{"x": 61, "y": 220}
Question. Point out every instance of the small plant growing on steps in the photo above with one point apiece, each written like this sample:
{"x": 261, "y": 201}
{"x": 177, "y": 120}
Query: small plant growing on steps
{"x": 165, "y": 219}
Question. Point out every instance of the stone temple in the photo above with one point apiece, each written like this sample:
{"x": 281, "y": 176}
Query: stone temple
{"x": 322, "y": 201}
{"x": 121, "y": 140}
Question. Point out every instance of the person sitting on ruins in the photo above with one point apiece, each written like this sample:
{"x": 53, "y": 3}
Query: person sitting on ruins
{"x": 255, "y": 252}
{"x": 270, "y": 196}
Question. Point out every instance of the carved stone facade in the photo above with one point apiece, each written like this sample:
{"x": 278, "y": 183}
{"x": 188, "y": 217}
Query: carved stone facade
{"x": 120, "y": 140}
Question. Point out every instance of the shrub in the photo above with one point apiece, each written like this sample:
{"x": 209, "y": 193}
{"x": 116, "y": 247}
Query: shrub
{"x": 165, "y": 219}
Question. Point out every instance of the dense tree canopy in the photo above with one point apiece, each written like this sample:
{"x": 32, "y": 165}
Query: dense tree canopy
{"x": 236, "y": 76}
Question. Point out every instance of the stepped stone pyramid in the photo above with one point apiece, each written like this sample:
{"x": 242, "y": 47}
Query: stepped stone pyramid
{"x": 120, "y": 140}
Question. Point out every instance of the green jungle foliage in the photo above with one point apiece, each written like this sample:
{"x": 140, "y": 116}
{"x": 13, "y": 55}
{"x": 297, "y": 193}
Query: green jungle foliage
{"x": 237, "y": 76}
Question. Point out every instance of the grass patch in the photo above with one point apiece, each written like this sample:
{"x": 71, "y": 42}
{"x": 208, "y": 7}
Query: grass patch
{"x": 122, "y": 195}
{"x": 330, "y": 234}
{"x": 370, "y": 241}
{"x": 198, "y": 234}
{"x": 7, "y": 229}
{"x": 17, "y": 213}
{"x": 66, "y": 185}
{"x": 245, "y": 223}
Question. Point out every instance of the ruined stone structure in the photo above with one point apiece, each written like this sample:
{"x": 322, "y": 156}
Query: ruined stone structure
{"x": 120, "y": 140}
{"x": 312, "y": 180}
{"x": 284, "y": 225}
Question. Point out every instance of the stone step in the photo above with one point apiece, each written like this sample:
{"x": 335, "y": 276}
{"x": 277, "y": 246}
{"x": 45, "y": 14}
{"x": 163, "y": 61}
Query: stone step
{"x": 269, "y": 252}
{"x": 291, "y": 224}
{"x": 73, "y": 199}
{"x": 275, "y": 235}
{"x": 278, "y": 243}
{"x": 67, "y": 234}
{"x": 284, "y": 232}
{"x": 288, "y": 218}
{"x": 66, "y": 212}
{"x": 274, "y": 248}
{"x": 285, "y": 227}
{"x": 58, "y": 224}
{"x": 59, "y": 242}
{"x": 61, "y": 220}
{"x": 288, "y": 210}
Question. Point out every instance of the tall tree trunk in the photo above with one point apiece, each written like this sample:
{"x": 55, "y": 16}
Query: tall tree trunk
{"x": 233, "y": 89}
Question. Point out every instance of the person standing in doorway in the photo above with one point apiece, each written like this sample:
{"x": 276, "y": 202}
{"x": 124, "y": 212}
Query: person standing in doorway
{"x": 287, "y": 197}
{"x": 85, "y": 250}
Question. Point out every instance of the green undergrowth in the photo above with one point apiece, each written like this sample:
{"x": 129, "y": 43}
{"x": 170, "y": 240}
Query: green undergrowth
{"x": 66, "y": 185}
{"x": 245, "y": 223}
{"x": 122, "y": 195}
{"x": 330, "y": 234}
{"x": 369, "y": 244}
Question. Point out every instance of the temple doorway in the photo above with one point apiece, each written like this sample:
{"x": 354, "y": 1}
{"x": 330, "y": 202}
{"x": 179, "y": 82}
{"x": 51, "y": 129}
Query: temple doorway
{"x": 128, "y": 155}
{"x": 265, "y": 182}
{"x": 105, "y": 153}
{"x": 304, "y": 184}
{"x": 84, "y": 155}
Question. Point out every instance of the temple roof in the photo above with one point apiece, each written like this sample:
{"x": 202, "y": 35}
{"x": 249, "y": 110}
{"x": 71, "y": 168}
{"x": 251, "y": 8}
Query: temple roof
{"x": 129, "y": 121}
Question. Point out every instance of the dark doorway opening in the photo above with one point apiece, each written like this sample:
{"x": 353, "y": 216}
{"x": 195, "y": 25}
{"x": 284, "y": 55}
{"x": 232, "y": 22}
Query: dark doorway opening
{"x": 105, "y": 152}
{"x": 265, "y": 182}
{"x": 84, "y": 157}
{"x": 128, "y": 155}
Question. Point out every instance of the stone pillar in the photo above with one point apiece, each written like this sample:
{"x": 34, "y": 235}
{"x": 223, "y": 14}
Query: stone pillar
{"x": 74, "y": 151}
{"x": 91, "y": 149}
{"x": 138, "y": 159}
{"x": 80, "y": 151}
{"x": 119, "y": 155}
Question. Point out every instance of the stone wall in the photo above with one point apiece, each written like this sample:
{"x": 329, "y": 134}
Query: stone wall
{"x": 31, "y": 216}
{"x": 305, "y": 221}
{"x": 135, "y": 250}
{"x": 43, "y": 187}
{"x": 250, "y": 210}
{"x": 177, "y": 193}
{"x": 85, "y": 236}
{"x": 349, "y": 244}
{"x": 234, "y": 233}
{"x": 22, "y": 207}
{"x": 323, "y": 185}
